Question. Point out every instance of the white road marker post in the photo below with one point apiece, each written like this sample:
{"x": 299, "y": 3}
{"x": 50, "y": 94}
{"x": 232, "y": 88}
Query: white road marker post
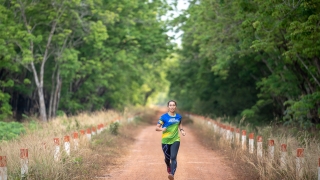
{"x": 244, "y": 140}
{"x": 102, "y": 127}
{"x": 67, "y": 144}
{"x": 93, "y": 132}
{"x": 271, "y": 149}
{"x": 99, "y": 129}
{"x": 24, "y": 162}
{"x": 232, "y": 135}
{"x": 283, "y": 157}
{"x": 237, "y": 136}
{"x": 225, "y": 132}
{"x": 215, "y": 127}
{"x": 89, "y": 134}
{"x": 259, "y": 147}
{"x": 299, "y": 163}
{"x": 76, "y": 140}
{"x": 222, "y": 131}
{"x": 56, "y": 154}
{"x": 228, "y": 137}
{"x": 251, "y": 143}
{"x": 3, "y": 168}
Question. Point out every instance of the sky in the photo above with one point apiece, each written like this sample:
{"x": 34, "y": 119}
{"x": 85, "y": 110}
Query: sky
{"x": 182, "y": 5}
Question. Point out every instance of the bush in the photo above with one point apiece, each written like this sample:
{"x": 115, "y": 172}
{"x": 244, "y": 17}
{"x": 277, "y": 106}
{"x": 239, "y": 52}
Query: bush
{"x": 10, "y": 130}
{"x": 114, "y": 128}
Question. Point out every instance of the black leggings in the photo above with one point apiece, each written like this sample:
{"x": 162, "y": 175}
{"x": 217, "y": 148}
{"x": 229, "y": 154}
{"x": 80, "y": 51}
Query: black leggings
{"x": 170, "y": 153}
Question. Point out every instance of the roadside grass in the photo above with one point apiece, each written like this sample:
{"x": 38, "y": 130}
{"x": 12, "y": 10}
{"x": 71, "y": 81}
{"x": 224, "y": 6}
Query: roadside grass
{"x": 232, "y": 155}
{"x": 118, "y": 147}
{"x": 248, "y": 166}
{"x": 86, "y": 162}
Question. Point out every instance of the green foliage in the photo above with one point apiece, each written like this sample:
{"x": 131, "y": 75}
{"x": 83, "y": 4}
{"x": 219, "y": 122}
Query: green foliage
{"x": 247, "y": 113}
{"x": 10, "y": 130}
{"x": 82, "y": 55}
{"x": 300, "y": 111}
{"x": 33, "y": 125}
{"x": 5, "y": 108}
{"x": 114, "y": 128}
{"x": 78, "y": 160}
{"x": 250, "y": 58}
{"x": 60, "y": 113}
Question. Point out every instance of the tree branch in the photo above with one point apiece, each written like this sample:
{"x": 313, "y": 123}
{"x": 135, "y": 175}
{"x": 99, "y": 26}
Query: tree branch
{"x": 314, "y": 78}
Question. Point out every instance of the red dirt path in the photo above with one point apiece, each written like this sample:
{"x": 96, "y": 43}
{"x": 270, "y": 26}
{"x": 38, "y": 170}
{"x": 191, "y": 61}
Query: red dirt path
{"x": 145, "y": 161}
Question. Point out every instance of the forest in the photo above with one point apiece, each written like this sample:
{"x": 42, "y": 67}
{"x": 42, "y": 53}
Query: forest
{"x": 257, "y": 60}
{"x": 64, "y": 57}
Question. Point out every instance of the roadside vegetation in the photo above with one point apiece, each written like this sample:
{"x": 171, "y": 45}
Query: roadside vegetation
{"x": 92, "y": 159}
{"x": 254, "y": 59}
{"x": 248, "y": 166}
{"x": 71, "y": 56}
{"x": 253, "y": 65}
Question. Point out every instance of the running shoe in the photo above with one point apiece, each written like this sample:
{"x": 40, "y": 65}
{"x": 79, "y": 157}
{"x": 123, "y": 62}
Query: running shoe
{"x": 168, "y": 170}
{"x": 170, "y": 176}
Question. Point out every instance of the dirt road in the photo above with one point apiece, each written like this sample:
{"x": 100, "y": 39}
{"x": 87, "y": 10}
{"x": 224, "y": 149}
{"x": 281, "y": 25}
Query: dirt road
{"x": 145, "y": 160}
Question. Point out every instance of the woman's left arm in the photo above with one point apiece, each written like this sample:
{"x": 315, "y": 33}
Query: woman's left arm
{"x": 181, "y": 129}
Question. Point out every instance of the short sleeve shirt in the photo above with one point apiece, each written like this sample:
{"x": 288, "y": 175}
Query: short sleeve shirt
{"x": 171, "y": 134}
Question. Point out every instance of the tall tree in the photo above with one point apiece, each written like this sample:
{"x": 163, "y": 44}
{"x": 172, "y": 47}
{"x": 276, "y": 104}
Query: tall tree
{"x": 80, "y": 55}
{"x": 272, "y": 42}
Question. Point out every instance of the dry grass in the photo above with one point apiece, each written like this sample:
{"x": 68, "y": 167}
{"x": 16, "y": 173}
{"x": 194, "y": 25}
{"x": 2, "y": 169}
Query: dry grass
{"x": 247, "y": 166}
{"x": 84, "y": 163}
{"x": 206, "y": 135}
{"x": 271, "y": 169}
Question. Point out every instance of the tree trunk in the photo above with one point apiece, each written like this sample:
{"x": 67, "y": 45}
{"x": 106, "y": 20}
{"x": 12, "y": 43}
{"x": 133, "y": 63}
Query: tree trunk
{"x": 42, "y": 108}
{"x": 39, "y": 78}
{"x": 304, "y": 64}
{"x": 50, "y": 114}
{"x": 57, "y": 94}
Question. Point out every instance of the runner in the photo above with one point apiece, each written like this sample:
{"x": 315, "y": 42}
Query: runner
{"x": 170, "y": 125}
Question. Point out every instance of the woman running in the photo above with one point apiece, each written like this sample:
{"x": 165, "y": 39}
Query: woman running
{"x": 170, "y": 125}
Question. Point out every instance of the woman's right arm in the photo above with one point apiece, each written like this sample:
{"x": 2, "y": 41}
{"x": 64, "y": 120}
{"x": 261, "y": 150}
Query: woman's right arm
{"x": 159, "y": 128}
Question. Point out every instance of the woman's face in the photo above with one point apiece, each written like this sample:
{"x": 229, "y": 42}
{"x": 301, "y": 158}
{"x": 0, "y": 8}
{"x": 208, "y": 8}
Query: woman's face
{"x": 172, "y": 107}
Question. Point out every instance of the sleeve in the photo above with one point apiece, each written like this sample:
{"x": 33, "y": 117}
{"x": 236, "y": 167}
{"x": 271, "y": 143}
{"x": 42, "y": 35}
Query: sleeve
{"x": 161, "y": 121}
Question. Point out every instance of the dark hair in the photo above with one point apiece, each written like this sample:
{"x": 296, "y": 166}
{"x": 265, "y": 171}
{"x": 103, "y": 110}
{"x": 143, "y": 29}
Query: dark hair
{"x": 172, "y": 101}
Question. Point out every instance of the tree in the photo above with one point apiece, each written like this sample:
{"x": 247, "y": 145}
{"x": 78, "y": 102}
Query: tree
{"x": 272, "y": 42}
{"x": 81, "y": 55}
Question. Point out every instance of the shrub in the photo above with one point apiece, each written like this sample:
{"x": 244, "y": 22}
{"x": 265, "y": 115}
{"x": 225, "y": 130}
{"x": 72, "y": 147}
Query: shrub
{"x": 10, "y": 130}
{"x": 114, "y": 128}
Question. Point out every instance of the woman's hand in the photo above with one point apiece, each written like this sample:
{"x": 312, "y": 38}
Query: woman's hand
{"x": 159, "y": 128}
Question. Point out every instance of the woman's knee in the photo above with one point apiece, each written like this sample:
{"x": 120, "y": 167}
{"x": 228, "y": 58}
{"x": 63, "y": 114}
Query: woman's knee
{"x": 173, "y": 158}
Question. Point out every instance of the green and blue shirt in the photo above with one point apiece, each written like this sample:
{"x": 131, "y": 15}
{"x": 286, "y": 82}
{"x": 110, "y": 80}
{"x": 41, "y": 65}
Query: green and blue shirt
{"x": 171, "y": 134}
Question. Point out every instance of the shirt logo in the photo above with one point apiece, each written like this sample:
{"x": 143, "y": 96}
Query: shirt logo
{"x": 173, "y": 120}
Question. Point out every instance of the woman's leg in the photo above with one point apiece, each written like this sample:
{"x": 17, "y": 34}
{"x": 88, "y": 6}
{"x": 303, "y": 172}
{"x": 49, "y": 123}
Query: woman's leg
{"x": 173, "y": 156}
{"x": 166, "y": 151}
